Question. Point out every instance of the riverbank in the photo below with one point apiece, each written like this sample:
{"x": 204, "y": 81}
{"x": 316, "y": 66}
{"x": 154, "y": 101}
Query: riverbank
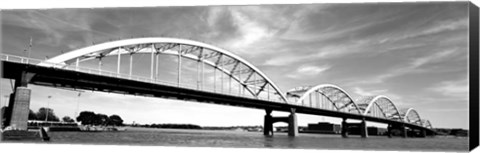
{"x": 243, "y": 139}
{"x": 89, "y": 128}
{"x": 78, "y": 128}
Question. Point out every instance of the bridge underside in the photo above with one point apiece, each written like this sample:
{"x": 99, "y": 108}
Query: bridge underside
{"x": 60, "y": 78}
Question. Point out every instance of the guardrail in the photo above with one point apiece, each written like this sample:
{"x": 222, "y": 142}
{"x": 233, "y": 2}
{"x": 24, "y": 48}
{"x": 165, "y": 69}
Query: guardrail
{"x": 32, "y": 61}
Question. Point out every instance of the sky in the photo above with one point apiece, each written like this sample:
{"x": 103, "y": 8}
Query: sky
{"x": 414, "y": 53}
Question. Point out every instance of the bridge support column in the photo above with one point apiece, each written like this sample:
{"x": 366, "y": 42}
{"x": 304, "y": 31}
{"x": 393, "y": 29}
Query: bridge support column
{"x": 19, "y": 106}
{"x": 423, "y": 133}
{"x": 291, "y": 120}
{"x": 268, "y": 123}
{"x": 404, "y": 130}
{"x": 389, "y": 131}
{"x": 363, "y": 129}
{"x": 19, "y": 103}
{"x": 17, "y": 113}
{"x": 429, "y": 133}
{"x": 344, "y": 128}
{"x": 292, "y": 123}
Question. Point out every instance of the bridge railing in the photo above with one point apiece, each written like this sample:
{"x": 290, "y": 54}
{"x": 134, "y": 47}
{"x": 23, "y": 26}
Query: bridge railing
{"x": 32, "y": 61}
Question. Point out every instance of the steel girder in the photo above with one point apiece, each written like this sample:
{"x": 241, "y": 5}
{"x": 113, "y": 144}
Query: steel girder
{"x": 167, "y": 46}
{"x": 383, "y": 103}
{"x": 336, "y": 95}
{"x": 410, "y": 115}
{"x": 195, "y": 51}
{"x": 426, "y": 123}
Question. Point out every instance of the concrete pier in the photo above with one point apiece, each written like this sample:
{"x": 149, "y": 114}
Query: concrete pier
{"x": 268, "y": 123}
{"x": 292, "y": 124}
{"x": 404, "y": 130}
{"x": 389, "y": 131}
{"x": 363, "y": 129}
{"x": 19, "y": 103}
{"x": 16, "y": 123}
{"x": 20, "y": 108}
{"x": 291, "y": 120}
{"x": 423, "y": 133}
{"x": 344, "y": 128}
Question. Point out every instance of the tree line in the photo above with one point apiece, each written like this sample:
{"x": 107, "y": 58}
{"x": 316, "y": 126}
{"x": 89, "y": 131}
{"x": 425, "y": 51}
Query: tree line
{"x": 41, "y": 114}
{"x": 169, "y": 126}
{"x": 85, "y": 117}
{"x": 90, "y": 118}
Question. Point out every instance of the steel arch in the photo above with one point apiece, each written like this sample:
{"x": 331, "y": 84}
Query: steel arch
{"x": 322, "y": 89}
{"x": 109, "y": 47}
{"x": 410, "y": 115}
{"x": 427, "y": 124}
{"x": 384, "y": 103}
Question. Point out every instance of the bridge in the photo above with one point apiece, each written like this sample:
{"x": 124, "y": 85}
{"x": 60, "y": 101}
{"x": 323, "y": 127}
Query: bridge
{"x": 201, "y": 73}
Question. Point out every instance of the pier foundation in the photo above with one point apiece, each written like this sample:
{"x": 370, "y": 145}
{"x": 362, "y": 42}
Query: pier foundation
{"x": 19, "y": 103}
{"x": 292, "y": 124}
{"x": 16, "y": 115}
{"x": 404, "y": 131}
{"x": 389, "y": 131}
{"x": 363, "y": 129}
{"x": 291, "y": 120}
{"x": 423, "y": 133}
{"x": 19, "y": 109}
{"x": 268, "y": 123}
{"x": 344, "y": 128}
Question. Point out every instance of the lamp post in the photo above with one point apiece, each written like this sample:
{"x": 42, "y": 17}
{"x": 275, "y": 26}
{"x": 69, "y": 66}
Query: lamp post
{"x": 47, "y": 109}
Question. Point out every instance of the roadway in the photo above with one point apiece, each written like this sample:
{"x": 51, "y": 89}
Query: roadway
{"x": 61, "y": 78}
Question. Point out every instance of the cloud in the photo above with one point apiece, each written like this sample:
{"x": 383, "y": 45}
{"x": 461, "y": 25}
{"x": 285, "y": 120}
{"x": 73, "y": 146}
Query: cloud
{"x": 449, "y": 110}
{"x": 286, "y": 60}
{"x": 250, "y": 30}
{"x": 309, "y": 70}
{"x": 255, "y": 30}
{"x": 252, "y": 26}
{"x": 214, "y": 14}
{"x": 441, "y": 26}
{"x": 414, "y": 66}
{"x": 397, "y": 100}
{"x": 432, "y": 58}
{"x": 424, "y": 44}
{"x": 362, "y": 92}
{"x": 314, "y": 53}
{"x": 312, "y": 70}
{"x": 456, "y": 89}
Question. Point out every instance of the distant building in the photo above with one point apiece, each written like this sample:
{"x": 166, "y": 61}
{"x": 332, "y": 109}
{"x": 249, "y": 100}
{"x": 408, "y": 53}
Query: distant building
{"x": 355, "y": 130}
{"x": 324, "y": 127}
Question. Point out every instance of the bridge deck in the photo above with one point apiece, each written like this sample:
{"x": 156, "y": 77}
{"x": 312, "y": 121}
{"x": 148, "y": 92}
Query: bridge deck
{"x": 61, "y": 78}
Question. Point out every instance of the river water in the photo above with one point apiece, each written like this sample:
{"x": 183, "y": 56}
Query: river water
{"x": 234, "y": 139}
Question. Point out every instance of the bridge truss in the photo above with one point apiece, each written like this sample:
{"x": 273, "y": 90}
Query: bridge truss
{"x": 331, "y": 97}
{"x": 215, "y": 69}
{"x": 205, "y": 67}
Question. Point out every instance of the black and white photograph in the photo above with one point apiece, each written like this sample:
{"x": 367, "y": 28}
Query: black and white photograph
{"x": 368, "y": 76}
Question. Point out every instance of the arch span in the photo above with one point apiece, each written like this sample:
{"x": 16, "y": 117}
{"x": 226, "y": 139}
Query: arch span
{"x": 386, "y": 106}
{"x": 410, "y": 115}
{"x": 427, "y": 124}
{"x": 183, "y": 48}
{"x": 333, "y": 93}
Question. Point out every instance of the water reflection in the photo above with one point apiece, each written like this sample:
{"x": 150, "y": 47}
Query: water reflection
{"x": 204, "y": 138}
{"x": 268, "y": 141}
